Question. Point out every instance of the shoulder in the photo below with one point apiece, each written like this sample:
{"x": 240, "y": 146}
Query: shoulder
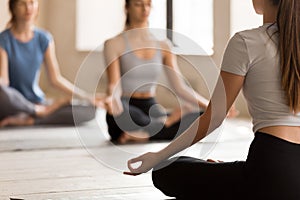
{"x": 236, "y": 41}
{"x": 4, "y": 35}
{"x": 115, "y": 40}
{"x": 259, "y": 34}
{"x": 4, "y": 38}
{"x": 43, "y": 35}
{"x": 166, "y": 45}
{"x": 240, "y": 40}
{"x": 115, "y": 44}
{"x": 254, "y": 41}
{"x": 236, "y": 56}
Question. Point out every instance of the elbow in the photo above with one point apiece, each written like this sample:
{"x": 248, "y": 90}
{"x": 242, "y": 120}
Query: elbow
{"x": 55, "y": 82}
{"x": 214, "y": 117}
{"x": 216, "y": 124}
{"x": 217, "y": 121}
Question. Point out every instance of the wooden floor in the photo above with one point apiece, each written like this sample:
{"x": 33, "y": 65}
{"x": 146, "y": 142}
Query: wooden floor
{"x": 63, "y": 163}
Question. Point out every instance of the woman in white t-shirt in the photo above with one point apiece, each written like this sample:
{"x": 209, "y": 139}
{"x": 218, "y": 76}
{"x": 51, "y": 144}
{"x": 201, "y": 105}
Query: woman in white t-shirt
{"x": 265, "y": 62}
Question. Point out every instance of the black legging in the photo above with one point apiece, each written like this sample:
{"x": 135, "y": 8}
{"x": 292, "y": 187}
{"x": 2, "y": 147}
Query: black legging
{"x": 12, "y": 102}
{"x": 143, "y": 114}
{"x": 271, "y": 172}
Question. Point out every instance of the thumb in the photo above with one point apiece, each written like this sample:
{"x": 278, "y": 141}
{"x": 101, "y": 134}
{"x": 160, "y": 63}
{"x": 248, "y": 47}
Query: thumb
{"x": 132, "y": 161}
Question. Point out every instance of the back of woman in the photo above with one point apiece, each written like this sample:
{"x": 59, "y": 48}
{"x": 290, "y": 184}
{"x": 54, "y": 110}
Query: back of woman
{"x": 254, "y": 54}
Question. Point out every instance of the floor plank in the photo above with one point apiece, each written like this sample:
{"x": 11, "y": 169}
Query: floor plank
{"x": 80, "y": 163}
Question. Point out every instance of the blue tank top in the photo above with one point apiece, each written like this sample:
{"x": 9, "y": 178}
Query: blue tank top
{"x": 24, "y": 62}
{"x": 138, "y": 74}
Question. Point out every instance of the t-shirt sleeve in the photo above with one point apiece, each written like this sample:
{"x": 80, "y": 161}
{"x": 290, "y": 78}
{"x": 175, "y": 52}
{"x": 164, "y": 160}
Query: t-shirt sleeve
{"x": 45, "y": 39}
{"x": 236, "y": 58}
{"x": 3, "y": 41}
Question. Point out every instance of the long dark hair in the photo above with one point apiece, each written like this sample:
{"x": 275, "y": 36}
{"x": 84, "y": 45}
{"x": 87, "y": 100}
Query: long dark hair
{"x": 127, "y": 22}
{"x": 288, "y": 21}
{"x": 11, "y": 7}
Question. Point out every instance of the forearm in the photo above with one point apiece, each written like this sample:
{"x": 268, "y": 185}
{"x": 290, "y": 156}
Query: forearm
{"x": 192, "y": 97}
{"x": 226, "y": 90}
{"x": 202, "y": 127}
{"x": 70, "y": 89}
{"x": 114, "y": 89}
{"x": 182, "y": 142}
{"x": 4, "y": 74}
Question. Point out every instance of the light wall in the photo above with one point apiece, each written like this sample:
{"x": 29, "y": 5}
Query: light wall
{"x": 59, "y": 17}
{"x": 4, "y": 14}
{"x": 243, "y": 16}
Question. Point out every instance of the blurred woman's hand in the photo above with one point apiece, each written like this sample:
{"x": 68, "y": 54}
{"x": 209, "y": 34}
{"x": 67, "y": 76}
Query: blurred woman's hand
{"x": 233, "y": 112}
{"x": 147, "y": 161}
{"x": 99, "y": 100}
{"x": 114, "y": 105}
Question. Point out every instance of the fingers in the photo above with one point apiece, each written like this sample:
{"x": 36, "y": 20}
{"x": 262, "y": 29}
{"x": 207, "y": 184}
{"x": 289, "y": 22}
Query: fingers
{"x": 143, "y": 163}
{"x": 118, "y": 111}
{"x": 131, "y": 174}
{"x": 211, "y": 160}
{"x": 3, "y": 123}
{"x": 108, "y": 105}
{"x": 100, "y": 104}
{"x": 130, "y": 162}
{"x": 134, "y": 161}
{"x": 214, "y": 161}
{"x": 99, "y": 100}
{"x": 113, "y": 106}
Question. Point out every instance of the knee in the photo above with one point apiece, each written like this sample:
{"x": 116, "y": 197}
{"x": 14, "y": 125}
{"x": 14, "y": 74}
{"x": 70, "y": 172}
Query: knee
{"x": 162, "y": 173}
{"x": 156, "y": 176}
{"x": 3, "y": 92}
{"x": 164, "y": 181}
{"x": 160, "y": 181}
{"x": 113, "y": 129}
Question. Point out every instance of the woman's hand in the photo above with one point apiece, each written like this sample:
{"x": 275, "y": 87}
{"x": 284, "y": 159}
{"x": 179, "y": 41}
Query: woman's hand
{"x": 99, "y": 100}
{"x": 147, "y": 162}
{"x": 214, "y": 161}
{"x": 233, "y": 112}
{"x": 114, "y": 105}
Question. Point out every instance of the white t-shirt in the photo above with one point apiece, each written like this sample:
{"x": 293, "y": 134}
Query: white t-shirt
{"x": 254, "y": 54}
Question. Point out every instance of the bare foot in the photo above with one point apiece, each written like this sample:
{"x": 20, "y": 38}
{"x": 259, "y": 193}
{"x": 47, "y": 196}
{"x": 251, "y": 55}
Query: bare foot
{"x": 174, "y": 117}
{"x": 42, "y": 110}
{"x": 21, "y": 119}
{"x": 134, "y": 137}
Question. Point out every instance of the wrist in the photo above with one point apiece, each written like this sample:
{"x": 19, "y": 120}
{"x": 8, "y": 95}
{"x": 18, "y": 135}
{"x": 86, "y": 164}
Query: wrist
{"x": 162, "y": 154}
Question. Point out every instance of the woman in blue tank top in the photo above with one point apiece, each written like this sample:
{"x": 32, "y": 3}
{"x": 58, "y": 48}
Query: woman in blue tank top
{"x": 135, "y": 59}
{"x": 23, "y": 49}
